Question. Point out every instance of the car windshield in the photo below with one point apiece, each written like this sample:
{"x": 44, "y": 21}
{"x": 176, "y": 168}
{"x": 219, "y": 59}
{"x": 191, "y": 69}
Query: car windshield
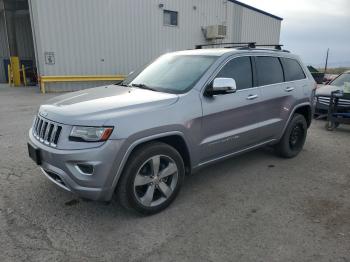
{"x": 171, "y": 73}
{"x": 341, "y": 80}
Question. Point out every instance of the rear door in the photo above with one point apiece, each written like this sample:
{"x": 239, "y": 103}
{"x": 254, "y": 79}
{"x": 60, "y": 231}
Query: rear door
{"x": 231, "y": 122}
{"x": 278, "y": 96}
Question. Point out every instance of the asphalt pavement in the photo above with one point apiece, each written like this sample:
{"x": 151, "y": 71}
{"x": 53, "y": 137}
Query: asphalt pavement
{"x": 255, "y": 207}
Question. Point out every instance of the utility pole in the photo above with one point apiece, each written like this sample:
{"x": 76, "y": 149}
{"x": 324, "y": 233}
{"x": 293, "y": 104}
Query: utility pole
{"x": 325, "y": 67}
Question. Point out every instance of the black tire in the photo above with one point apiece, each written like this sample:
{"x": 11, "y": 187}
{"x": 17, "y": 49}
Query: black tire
{"x": 294, "y": 137}
{"x": 127, "y": 192}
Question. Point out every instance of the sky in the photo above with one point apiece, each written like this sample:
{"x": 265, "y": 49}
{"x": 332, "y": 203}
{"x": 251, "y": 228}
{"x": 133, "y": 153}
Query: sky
{"x": 309, "y": 27}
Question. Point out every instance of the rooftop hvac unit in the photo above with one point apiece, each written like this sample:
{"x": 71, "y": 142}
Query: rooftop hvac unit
{"x": 215, "y": 32}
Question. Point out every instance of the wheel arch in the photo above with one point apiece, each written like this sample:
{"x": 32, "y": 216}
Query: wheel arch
{"x": 303, "y": 109}
{"x": 306, "y": 111}
{"x": 175, "y": 139}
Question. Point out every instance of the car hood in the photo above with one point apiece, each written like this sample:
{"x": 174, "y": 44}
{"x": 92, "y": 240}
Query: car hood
{"x": 326, "y": 90}
{"x": 95, "y": 106}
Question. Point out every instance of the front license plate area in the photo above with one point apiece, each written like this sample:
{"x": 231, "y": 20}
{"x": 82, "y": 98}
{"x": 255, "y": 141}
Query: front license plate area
{"x": 34, "y": 153}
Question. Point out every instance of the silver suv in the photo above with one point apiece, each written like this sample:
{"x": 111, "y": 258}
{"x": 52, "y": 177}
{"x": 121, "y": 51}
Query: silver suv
{"x": 185, "y": 110}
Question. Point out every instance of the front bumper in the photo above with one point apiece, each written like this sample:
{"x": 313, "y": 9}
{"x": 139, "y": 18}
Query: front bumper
{"x": 321, "y": 109}
{"x": 62, "y": 168}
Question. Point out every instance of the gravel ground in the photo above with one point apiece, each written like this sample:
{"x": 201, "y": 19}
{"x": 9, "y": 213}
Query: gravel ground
{"x": 255, "y": 207}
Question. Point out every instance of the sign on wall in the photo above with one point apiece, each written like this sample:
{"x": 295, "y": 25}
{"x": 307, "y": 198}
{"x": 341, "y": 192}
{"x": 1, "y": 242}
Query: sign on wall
{"x": 49, "y": 58}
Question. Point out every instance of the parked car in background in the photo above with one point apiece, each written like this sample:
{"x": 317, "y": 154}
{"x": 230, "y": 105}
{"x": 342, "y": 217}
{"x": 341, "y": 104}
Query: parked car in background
{"x": 182, "y": 112}
{"x": 323, "y": 94}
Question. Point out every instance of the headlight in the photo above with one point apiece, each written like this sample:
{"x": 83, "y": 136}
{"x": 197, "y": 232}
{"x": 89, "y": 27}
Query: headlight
{"x": 90, "y": 134}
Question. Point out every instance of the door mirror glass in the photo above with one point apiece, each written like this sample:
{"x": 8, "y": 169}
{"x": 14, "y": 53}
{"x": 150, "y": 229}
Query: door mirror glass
{"x": 222, "y": 86}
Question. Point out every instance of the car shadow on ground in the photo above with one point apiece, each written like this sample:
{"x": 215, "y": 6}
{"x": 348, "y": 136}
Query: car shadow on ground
{"x": 201, "y": 180}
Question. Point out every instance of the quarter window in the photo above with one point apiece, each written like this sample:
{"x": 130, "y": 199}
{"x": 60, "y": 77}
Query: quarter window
{"x": 170, "y": 18}
{"x": 269, "y": 70}
{"x": 240, "y": 69}
{"x": 292, "y": 69}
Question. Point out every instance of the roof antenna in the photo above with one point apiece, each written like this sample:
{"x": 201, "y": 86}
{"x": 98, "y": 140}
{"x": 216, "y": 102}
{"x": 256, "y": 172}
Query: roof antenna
{"x": 325, "y": 67}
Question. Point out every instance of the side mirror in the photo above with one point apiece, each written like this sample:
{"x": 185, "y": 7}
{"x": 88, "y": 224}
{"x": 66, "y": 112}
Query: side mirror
{"x": 221, "y": 86}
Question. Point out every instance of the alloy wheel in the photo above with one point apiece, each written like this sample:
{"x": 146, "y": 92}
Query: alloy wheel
{"x": 155, "y": 180}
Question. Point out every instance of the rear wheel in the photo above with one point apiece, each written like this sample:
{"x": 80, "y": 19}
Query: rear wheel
{"x": 152, "y": 178}
{"x": 294, "y": 137}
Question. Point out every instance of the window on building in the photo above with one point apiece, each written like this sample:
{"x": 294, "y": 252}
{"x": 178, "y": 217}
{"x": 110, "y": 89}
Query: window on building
{"x": 170, "y": 18}
{"x": 292, "y": 69}
{"x": 269, "y": 70}
{"x": 240, "y": 69}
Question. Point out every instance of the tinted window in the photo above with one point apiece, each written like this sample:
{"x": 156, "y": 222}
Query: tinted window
{"x": 269, "y": 70}
{"x": 292, "y": 69}
{"x": 240, "y": 69}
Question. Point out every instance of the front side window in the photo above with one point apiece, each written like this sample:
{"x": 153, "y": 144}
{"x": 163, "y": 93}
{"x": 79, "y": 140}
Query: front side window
{"x": 240, "y": 69}
{"x": 269, "y": 70}
{"x": 292, "y": 69}
{"x": 170, "y": 18}
{"x": 172, "y": 73}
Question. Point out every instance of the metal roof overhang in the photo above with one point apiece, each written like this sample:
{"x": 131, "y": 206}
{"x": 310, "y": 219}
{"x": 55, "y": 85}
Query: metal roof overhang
{"x": 256, "y": 9}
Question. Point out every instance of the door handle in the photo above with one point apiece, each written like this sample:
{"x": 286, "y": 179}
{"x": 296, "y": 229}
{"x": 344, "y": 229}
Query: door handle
{"x": 289, "y": 89}
{"x": 251, "y": 97}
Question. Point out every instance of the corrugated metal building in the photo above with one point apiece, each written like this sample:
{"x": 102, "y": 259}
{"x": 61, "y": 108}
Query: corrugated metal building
{"x": 108, "y": 37}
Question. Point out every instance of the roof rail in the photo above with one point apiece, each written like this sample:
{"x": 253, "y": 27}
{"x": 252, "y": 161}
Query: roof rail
{"x": 276, "y": 46}
{"x": 244, "y": 45}
{"x": 238, "y": 44}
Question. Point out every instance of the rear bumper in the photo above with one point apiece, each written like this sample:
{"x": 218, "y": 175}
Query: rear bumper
{"x": 62, "y": 168}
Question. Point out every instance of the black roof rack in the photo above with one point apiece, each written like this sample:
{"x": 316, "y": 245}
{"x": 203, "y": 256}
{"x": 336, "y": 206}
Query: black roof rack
{"x": 238, "y": 44}
{"x": 278, "y": 47}
{"x": 244, "y": 45}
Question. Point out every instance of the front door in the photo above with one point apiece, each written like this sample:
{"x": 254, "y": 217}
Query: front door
{"x": 231, "y": 122}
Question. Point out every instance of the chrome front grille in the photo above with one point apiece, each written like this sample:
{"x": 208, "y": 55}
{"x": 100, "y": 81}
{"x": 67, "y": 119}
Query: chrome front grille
{"x": 46, "y": 131}
{"x": 325, "y": 101}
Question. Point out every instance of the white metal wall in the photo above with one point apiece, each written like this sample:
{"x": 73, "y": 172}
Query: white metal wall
{"x": 97, "y": 37}
{"x": 260, "y": 28}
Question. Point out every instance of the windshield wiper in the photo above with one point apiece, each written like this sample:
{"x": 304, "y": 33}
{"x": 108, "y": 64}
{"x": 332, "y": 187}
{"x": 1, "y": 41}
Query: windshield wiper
{"x": 143, "y": 86}
{"x": 122, "y": 84}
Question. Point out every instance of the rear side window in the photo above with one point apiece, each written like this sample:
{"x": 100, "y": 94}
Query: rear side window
{"x": 240, "y": 69}
{"x": 292, "y": 69}
{"x": 269, "y": 70}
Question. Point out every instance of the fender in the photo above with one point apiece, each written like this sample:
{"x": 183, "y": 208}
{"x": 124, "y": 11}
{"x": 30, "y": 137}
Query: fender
{"x": 132, "y": 147}
{"x": 292, "y": 113}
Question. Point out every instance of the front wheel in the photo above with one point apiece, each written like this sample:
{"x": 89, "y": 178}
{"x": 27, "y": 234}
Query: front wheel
{"x": 151, "y": 179}
{"x": 294, "y": 137}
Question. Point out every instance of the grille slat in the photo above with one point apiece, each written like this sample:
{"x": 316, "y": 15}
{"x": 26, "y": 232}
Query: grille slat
{"x": 53, "y": 134}
{"x": 39, "y": 127}
{"x": 46, "y": 131}
{"x": 42, "y": 131}
{"x": 36, "y": 123}
{"x": 325, "y": 101}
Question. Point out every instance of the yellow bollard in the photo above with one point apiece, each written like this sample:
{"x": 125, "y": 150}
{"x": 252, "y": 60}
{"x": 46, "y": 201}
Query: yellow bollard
{"x": 15, "y": 70}
{"x": 24, "y": 76}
